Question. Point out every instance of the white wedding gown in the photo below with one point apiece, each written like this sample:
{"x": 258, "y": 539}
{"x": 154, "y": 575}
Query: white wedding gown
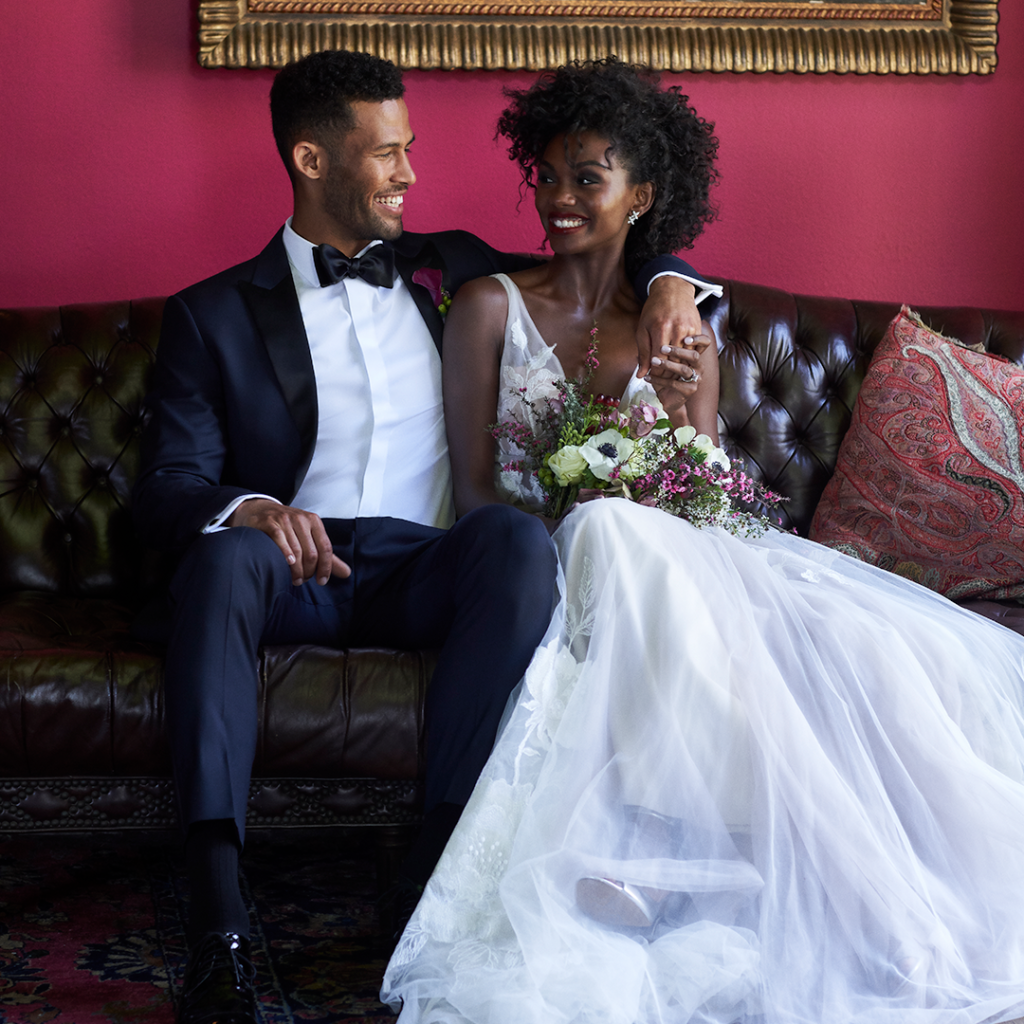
{"x": 839, "y": 757}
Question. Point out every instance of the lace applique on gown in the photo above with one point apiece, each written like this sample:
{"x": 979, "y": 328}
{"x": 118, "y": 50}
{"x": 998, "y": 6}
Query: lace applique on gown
{"x": 836, "y": 760}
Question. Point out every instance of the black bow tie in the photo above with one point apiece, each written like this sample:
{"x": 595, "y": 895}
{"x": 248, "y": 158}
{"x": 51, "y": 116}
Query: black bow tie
{"x": 376, "y": 266}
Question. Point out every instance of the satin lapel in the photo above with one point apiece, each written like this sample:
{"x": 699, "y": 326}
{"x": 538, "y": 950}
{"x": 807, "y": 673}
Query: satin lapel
{"x": 275, "y": 309}
{"x": 407, "y": 263}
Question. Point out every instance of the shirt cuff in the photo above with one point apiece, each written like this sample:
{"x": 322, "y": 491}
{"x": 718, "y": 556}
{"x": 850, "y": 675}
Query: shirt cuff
{"x": 216, "y": 524}
{"x": 702, "y": 288}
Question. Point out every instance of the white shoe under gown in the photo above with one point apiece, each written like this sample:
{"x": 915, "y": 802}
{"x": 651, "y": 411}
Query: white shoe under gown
{"x": 833, "y": 758}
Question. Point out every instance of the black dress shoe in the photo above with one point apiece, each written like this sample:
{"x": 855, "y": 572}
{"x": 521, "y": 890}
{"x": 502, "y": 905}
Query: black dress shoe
{"x": 219, "y": 980}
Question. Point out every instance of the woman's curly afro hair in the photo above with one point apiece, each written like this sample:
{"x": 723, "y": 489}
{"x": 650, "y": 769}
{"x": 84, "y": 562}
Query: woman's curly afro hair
{"x": 654, "y": 133}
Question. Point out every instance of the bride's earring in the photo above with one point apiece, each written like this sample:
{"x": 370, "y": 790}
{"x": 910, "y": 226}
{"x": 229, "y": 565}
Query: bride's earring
{"x": 633, "y": 217}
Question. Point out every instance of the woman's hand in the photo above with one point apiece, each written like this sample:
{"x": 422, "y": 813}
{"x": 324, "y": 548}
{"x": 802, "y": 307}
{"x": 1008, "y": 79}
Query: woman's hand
{"x": 676, "y": 373}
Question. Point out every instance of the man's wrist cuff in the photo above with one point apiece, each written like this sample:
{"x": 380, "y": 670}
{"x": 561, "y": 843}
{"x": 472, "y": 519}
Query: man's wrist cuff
{"x": 702, "y": 289}
{"x": 216, "y": 524}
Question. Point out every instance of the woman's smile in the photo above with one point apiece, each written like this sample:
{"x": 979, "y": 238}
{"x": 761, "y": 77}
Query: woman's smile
{"x": 564, "y": 224}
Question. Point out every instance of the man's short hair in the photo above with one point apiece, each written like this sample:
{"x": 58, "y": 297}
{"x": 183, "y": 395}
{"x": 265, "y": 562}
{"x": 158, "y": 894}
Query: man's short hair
{"x": 311, "y": 98}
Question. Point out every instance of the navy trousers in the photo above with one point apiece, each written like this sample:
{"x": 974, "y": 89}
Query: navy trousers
{"x": 480, "y": 592}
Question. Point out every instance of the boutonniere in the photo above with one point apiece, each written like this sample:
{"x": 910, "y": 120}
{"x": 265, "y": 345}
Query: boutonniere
{"x": 433, "y": 281}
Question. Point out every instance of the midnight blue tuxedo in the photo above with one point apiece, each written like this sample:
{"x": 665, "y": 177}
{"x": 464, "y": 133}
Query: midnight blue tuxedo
{"x": 239, "y": 336}
{"x": 233, "y": 411}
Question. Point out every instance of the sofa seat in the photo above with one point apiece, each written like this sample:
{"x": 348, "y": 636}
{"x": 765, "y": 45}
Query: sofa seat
{"x": 81, "y": 706}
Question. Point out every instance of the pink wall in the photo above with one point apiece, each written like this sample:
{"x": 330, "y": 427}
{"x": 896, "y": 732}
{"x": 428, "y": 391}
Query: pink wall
{"x": 127, "y": 170}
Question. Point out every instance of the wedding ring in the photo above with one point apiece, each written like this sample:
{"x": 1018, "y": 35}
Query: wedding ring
{"x": 692, "y": 379}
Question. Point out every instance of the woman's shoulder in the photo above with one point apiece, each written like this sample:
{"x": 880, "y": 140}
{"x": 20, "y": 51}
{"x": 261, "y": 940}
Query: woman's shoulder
{"x": 496, "y": 296}
{"x": 483, "y": 290}
{"x": 479, "y": 309}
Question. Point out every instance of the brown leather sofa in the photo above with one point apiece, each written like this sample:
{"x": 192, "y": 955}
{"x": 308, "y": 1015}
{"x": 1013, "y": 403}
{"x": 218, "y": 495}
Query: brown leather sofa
{"x": 81, "y": 740}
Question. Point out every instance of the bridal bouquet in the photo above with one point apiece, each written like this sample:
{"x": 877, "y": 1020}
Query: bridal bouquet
{"x": 574, "y": 441}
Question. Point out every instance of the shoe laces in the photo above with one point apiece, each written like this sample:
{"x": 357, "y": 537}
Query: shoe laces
{"x": 207, "y": 959}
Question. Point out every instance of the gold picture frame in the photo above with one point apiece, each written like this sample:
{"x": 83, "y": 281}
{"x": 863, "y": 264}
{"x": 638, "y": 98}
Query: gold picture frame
{"x": 840, "y": 36}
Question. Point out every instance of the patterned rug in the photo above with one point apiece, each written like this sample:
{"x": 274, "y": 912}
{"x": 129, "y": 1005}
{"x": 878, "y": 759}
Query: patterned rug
{"x": 91, "y": 930}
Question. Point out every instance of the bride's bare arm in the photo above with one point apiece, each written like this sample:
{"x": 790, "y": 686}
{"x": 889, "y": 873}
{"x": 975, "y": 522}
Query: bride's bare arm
{"x": 473, "y": 337}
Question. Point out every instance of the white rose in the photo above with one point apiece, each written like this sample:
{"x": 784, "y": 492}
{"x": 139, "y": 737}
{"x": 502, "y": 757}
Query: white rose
{"x": 568, "y": 464}
{"x": 605, "y": 451}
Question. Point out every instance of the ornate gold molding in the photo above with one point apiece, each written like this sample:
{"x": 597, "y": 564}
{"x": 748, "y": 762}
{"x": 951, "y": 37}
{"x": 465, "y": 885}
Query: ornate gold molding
{"x": 899, "y": 37}
{"x": 903, "y": 10}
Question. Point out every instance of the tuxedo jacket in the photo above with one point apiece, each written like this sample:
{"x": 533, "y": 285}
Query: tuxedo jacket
{"x": 233, "y": 406}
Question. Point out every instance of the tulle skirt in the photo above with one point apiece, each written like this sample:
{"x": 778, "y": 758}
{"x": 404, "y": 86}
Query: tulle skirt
{"x": 813, "y": 770}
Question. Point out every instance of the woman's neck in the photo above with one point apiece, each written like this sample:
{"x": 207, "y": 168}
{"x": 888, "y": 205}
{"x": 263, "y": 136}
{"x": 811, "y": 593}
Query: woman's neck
{"x": 587, "y": 283}
{"x": 571, "y": 295}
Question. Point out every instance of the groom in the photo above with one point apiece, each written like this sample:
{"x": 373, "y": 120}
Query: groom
{"x": 295, "y": 460}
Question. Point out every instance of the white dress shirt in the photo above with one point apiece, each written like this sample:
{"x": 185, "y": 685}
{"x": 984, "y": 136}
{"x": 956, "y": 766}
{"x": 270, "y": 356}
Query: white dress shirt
{"x": 381, "y": 448}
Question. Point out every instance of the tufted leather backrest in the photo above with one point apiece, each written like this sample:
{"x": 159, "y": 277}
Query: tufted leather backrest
{"x": 791, "y": 367}
{"x": 72, "y": 383}
{"x": 73, "y": 379}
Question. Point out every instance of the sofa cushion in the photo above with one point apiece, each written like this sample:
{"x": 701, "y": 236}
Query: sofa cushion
{"x": 929, "y": 476}
{"x": 72, "y": 383}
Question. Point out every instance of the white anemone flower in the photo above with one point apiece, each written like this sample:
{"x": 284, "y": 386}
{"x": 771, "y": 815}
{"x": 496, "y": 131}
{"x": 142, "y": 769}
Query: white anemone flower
{"x": 605, "y": 451}
{"x": 684, "y": 435}
{"x": 713, "y": 455}
{"x": 717, "y": 457}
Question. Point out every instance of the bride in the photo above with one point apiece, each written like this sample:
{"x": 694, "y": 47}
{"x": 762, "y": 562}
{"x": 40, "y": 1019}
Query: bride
{"x": 743, "y": 780}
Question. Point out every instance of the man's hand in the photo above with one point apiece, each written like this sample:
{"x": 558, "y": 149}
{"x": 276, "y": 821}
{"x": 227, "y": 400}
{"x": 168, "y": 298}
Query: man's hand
{"x": 668, "y": 316}
{"x": 300, "y": 536}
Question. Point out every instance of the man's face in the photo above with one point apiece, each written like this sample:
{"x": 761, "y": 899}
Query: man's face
{"x": 368, "y": 173}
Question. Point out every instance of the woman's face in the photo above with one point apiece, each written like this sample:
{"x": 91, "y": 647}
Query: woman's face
{"x": 584, "y": 195}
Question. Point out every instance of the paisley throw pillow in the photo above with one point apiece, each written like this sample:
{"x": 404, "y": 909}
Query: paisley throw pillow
{"x": 929, "y": 478}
